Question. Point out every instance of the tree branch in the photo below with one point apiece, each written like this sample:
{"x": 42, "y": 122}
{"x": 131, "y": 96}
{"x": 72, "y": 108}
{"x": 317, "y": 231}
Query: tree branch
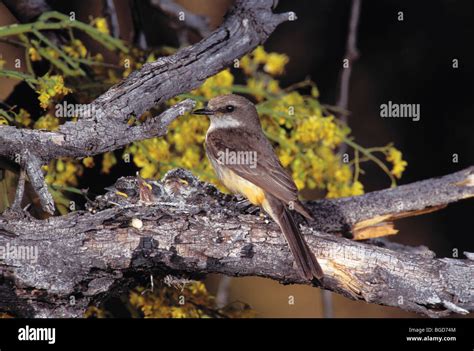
{"x": 111, "y": 13}
{"x": 248, "y": 25}
{"x": 182, "y": 226}
{"x": 351, "y": 55}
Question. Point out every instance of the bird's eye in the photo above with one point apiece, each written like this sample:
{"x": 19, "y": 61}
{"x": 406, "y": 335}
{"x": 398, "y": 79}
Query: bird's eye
{"x": 229, "y": 108}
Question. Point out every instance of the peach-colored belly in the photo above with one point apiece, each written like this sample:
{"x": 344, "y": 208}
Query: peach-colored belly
{"x": 239, "y": 185}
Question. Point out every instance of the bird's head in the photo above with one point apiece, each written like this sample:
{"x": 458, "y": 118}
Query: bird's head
{"x": 230, "y": 111}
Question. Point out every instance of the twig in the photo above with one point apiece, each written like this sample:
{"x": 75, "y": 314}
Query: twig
{"x": 223, "y": 289}
{"x": 351, "y": 55}
{"x": 111, "y": 14}
{"x": 197, "y": 23}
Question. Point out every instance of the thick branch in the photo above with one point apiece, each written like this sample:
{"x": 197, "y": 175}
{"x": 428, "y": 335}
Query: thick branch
{"x": 187, "y": 227}
{"x": 371, "y": 215}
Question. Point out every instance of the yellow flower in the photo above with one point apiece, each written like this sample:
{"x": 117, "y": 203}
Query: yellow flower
{"x": 108, "y": 161}
{"x": 299, "y": 183}
{"x": 395, "y": 157}
{"x": 59, "y": 87}
{"x": 23, "y": 118}
{"x": 343, "y": 174}
{"x": 77, "y": 50}
{"x": 314, "y": 129}
{"x": 338, "y": 190}
{"x": 52, "y": 53}
{"x": 60, "y": 166}
{"x": 246, "y": 65}
{"x": 49, "y": 87}
{"x": 44, "y": 100}
{"x": 48, "y": 122}
{"x": 197, "y": 288}
{"x": 357, "y": 188}
{"x": 177, "y": 312}
{"x": 259, "y": 55}
{"x": 257, "y": 86}
{"x": 273, "y": 86}
{"x": 190, "y": 158}
{"x": 148, "y": 171}
{"x": 101, "y": 24}
{"x": 216, "y": 85}
{"x": 285, "y": 157}
{"x": 275, "y": 63}
{"x": 292, "y": 99}
{"x": 34, "y": 54}
{"x": 88, "y": 162}
{"x": 95, "y": 312}
{"x": 158, "y": 149}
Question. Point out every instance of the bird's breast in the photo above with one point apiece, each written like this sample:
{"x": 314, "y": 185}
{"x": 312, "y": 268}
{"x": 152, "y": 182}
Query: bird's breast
{"x": 239, "y": 185}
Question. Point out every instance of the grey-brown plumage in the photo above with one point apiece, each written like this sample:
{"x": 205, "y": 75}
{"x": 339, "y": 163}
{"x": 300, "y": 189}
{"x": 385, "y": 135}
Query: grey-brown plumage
{"x": 235, "y": 127}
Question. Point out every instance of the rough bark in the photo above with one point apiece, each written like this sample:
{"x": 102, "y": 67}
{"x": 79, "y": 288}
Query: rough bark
{"x": 184, "y": 227}
{"x": 248, "y": 24}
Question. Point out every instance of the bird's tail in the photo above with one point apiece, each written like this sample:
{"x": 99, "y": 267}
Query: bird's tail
{"x": 308, "y": 266}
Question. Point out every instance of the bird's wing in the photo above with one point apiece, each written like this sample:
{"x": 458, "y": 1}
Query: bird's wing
{"x": 267, "y": 173}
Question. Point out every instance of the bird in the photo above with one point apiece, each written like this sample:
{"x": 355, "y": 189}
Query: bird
{"x": 245, "y": 162}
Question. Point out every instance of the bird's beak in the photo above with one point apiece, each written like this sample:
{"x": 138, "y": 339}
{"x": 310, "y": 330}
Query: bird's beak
{"x": 203, "y": 111}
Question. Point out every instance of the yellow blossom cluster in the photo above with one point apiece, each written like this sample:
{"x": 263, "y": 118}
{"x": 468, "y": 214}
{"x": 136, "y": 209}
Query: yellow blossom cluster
{"x": 23, "y": 118}
{"x": 108, "y": 161}
{"x": 100, "y": 23}
{"x": 34, "y": 54}
{"x": 48, "y": 122}
{"x": 315, "y": 130}
{"x": 218, "y": 84}
{"x": 395, "y": 157}
{"x": 51, "y": 87}
{"x": 76, "y": 49}
{"x": 273, "y": 63}
{"x": 147, "y": 154}
{"x": 63, "y": 172}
